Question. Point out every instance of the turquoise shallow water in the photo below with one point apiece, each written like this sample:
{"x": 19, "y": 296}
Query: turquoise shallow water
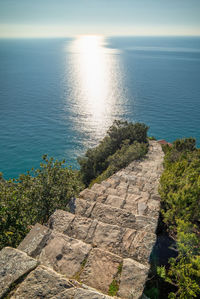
{"x": 59, "y": 96}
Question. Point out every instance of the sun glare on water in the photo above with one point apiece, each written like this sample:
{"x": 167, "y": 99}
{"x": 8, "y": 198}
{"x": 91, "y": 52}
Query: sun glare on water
{"x": 96, "y": 83}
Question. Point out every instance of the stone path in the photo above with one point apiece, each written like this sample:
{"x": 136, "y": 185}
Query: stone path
{"x": 106, "y": 241}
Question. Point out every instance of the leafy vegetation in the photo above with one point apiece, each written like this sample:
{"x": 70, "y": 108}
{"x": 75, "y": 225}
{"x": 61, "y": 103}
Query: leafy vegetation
{"x": 180, "y": 193}
{"x": 34, "y": 197}
{"x": 113, "y": 288}
{"x": 124, "y": 143}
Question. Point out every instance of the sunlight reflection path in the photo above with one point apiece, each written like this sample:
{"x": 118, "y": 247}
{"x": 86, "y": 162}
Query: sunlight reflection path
{"x": 96, "y": 85}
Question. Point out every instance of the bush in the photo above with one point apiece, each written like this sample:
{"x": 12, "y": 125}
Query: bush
{"x": 122, "y": 158}
{"x": 120, "y": 135}
{"x": 180, "y": 193}
{"x": 34, "y": 197}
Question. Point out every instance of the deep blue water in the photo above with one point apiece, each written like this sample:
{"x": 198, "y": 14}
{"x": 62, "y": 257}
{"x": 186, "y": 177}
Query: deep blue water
{"x": 59, "y": 96}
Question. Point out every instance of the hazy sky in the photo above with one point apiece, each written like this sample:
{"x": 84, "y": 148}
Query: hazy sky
{"x": 24, "y": 18}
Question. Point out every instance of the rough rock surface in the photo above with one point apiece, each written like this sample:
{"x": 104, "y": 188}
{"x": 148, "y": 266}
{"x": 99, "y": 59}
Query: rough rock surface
{"x": 46, "y": 283}
{"x": 100, "y": 269}
{"x": 64, "y": 254}
{"x": 13, "y": 265}
{"x": 106, "y": 239}
{"x": 35, "y": 240}
{"x": 125, "y": 242}
{"x": 35, "y": 285}
{"x": 133, "y": 276}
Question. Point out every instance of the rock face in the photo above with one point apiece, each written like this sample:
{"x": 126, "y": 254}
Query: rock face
{"x": 102, "y": 248}
{"x": 13, "y": 265}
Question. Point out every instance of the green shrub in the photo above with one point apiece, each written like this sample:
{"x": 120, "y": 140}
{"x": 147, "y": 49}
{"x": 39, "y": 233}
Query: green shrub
{"x": 122, "y": 158}
{"x": 120, "y": 135}
{"x": 113, "y": 288}
{"x": 34, "y": 197}
{"x": 180, "y": 193}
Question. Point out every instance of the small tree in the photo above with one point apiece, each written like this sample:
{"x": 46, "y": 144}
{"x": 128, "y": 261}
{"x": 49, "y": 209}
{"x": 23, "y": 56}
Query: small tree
{"x": 33, "y": 197}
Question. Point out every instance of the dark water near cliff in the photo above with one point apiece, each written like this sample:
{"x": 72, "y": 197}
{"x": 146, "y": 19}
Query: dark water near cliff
{"x": 59, "y": 96}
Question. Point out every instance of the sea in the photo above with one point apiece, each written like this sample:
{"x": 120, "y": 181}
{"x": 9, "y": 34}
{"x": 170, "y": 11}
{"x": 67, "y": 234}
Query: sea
{"x": 59, "y": 96}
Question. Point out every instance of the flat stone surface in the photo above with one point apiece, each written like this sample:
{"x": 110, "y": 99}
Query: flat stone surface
{"x": 88, "y": 294}
{"x": 61, "y": 220}
{"x": 44, "y": 283}
{"x": 133, "y": 278}
{"x": 88, "y": 194}
{"x": 84, "y": 207}
{"x": 83, "y": 229}
{"x": 35, "y": 240}
{"x": 142, "y": 208}
{"x": 100, "y": 269}
{"x": 115, "y": 201}
{"x": 146, "y": 223}
{"x": 109, "y": 237}
{"x": 125, "y": 242}
{"x": 64, "y": 254}
{"x": 141, "y": 247}
{"x": 113, "y": 215}
{"x": 13, "y": 265}
{"x": 98, "y": 188}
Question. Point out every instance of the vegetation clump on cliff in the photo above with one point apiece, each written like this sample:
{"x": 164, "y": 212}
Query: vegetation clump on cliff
{"x": 180, "y": 195}
{"x": 34, "y": 197}
{"x": 123, "y": 143}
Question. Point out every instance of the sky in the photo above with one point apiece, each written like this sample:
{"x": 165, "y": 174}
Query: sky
{"x": 59, "y": 18}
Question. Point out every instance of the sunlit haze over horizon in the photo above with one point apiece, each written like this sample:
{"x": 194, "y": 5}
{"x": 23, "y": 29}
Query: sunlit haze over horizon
{"x": 49, "y": 18}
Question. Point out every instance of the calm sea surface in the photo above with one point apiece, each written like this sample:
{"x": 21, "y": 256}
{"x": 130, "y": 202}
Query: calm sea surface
{"x": 59, "y": 96}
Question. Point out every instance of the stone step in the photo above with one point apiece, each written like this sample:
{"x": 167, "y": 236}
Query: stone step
{"x": 79, "y": 261}
{"x": 112, "y": 215}
{"x": 14, "y": 264}
{"x": 125, "y": 242}
{"x": 135, "y": 187}
{"x": 139, "y": 203}
{"x": 99, "y": 192}
{"x": 37, "y": 281}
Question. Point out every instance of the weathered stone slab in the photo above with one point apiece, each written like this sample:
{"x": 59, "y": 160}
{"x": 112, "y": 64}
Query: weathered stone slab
{"x": 133, "y": 190}
{"x": 101, "y": 198}
{"x": 88, "y": 194}
{"x": 83, "y": 229}
{"x": 133, "y": 279}
{"x": 142, "y": 207}
{"x": 84, "y": 207}
{"x": 113, "y": 215}
{"x": 112, "y": 191}
{"x": 114, "y": 181}
{"x": 153, "y": 208}
{"x": 64, "y": 254}
{"x": 115, "y": 201}
{"x": 146, "y": 223}
{"x": 13, "y": 265}
{"x": 109, "y": 237}
{"x": 100, "y": 269}
{"x": 44, "y": 283}
{"x": 35, "y": 240}
{"x": 141, "y": 247}
{"x": 88, "y": 294}
{"x": 61, "y": 220}
{"x": 102, "y": 235}
{"x": 98, "y": 188}
{"x": 127, "y": 241}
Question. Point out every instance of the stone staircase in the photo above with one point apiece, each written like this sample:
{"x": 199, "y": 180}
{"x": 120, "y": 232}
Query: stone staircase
{"x": 103, "y": 244}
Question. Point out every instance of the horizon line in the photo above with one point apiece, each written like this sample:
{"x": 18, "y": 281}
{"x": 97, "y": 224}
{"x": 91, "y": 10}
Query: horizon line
{"x": 104, "y": 35}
